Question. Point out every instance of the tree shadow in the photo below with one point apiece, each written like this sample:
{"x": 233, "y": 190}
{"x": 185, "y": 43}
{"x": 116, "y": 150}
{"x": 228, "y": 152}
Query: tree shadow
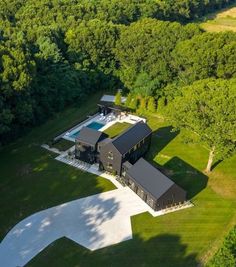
{"x": 182, "y": 173}
{"x": 215, "y": 164}
{"x": 186, "y": 176}
{"x": 165, "y": 250}
{"x": 160, "y": 139}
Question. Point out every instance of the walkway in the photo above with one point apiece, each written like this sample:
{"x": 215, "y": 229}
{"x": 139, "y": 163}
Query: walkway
{"x": 88, "y": 168}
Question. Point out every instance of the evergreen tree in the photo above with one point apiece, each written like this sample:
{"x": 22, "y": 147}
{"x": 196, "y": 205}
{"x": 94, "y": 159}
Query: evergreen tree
{"x": 128, "y": 100}
{"x": 143, "y": 104}
{"x": 118, "y": 101}
{"x": 134, "y": 103}
{"x": 151, "y": 105}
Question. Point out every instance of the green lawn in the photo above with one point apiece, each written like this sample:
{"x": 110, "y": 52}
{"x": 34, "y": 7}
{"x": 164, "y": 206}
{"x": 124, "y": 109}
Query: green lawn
{"x": 63, "y": 144}
{"x": 224, "y": 20}
{"x": 32, "y": 180}
{"x": 184, "y": 238}
{"x": 116, "y": 129}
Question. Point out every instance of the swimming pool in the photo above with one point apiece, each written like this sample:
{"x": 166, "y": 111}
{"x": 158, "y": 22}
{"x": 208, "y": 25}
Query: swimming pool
{"x": 93, "y": 125}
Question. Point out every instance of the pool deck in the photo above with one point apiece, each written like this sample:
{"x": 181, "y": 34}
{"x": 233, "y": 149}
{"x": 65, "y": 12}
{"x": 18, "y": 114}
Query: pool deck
{"x": 107, "y": 120}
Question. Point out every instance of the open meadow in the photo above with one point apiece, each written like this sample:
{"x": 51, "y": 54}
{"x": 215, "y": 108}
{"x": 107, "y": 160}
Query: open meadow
{"x": 221, "y": 21}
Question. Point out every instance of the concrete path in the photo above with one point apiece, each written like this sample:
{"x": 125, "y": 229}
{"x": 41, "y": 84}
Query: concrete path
{"x": 88, "y": 221}
{"x": 87, "y": 167}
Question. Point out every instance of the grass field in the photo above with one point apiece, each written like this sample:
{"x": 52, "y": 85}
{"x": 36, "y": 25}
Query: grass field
{"x": 30, "y": 178}
{"x": 63, "y": 145}
{"x": 184, "y": 238}
{"x": 116, "y": 129}
{"x": 222, "y": 21}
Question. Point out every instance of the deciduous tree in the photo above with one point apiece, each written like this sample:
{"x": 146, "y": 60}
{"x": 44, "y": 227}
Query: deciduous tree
{"x": 207, "y": 108}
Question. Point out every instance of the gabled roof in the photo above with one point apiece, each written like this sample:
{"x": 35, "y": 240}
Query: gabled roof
{"x": 89, "y": 136}
{"x": 129, "y": 138}
{"x": 150, "y": 178}
{"x": 111, "y": 98}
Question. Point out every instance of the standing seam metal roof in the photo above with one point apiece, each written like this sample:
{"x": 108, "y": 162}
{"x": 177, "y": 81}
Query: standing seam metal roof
{"x": 89, "y": 136}
{"x": 129, "y": 138}
{"x": 150, "y": 178}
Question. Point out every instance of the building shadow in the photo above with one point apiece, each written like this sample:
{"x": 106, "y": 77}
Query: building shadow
{"x": 160, "y": 139}
{"x": 185, "y": 175}
{"x": 165, "y": 250}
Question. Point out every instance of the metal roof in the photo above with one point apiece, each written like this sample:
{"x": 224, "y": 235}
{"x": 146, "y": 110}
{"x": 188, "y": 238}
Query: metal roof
{"x": 149, "y": 178}
{"x": 129, "y": 138}
{"x": 111, "y": 98}
{"x": 89, "y": 136}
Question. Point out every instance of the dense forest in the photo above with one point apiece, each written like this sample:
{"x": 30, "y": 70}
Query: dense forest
{"x": 56, "y": 52}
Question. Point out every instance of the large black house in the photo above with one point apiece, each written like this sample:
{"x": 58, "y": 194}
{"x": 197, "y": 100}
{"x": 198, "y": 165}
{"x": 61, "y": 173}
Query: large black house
{"x": 86, "y": 144}
{"x": 122, "y": 156}
{"x": 156, "y": 189}
{"x": 129, "y": 145}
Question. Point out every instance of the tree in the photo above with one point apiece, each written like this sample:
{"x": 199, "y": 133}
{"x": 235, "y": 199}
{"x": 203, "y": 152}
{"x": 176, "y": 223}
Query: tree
{"x": 143, "y": 104}
{"x": 208, "y": 55}
{"x": 151, "y": 104}
{"x": 144, "y": 52}
{"x": 207, "y": 109}
{"x": 128, "y": 100}
{"x": 144, "y": 85}
{"x": 134, "y": 103}
{"x": 91, "y": 44}
{"x": 118, "y": 100}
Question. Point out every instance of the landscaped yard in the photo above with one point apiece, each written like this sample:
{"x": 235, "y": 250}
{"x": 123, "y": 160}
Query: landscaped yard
{"x": 116, "y": 129}
{"x": 32, "y": 180}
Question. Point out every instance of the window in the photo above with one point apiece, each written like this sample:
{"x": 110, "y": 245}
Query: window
{"x": 123, "y": 172}
{"x": 109, "y": 166}
{"x": 150, "y": 201}
{"x": 110, "y": 155}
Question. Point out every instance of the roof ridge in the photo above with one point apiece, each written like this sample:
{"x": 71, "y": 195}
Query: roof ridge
{"x": 127, "y": 130}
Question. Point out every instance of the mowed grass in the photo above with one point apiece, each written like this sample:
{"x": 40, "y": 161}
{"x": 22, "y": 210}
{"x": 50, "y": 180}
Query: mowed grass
{"x": 222, "y": 21}
{"x": 116, "y": 129}
{"x": 32, "y": 180}
{"x": 185, "y": 238}
{"x": 63, "y": 145}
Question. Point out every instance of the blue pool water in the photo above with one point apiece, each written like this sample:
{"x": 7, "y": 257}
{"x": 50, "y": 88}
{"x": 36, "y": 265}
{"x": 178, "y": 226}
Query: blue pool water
{"x": 93, "y": 125}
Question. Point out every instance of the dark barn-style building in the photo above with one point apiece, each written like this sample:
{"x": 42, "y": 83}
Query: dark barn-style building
{"x": 86, "y": 144}
{"x": 122, "y": 156}
{"x": 129, "y": 145}
{"x": 156, "y": 189}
